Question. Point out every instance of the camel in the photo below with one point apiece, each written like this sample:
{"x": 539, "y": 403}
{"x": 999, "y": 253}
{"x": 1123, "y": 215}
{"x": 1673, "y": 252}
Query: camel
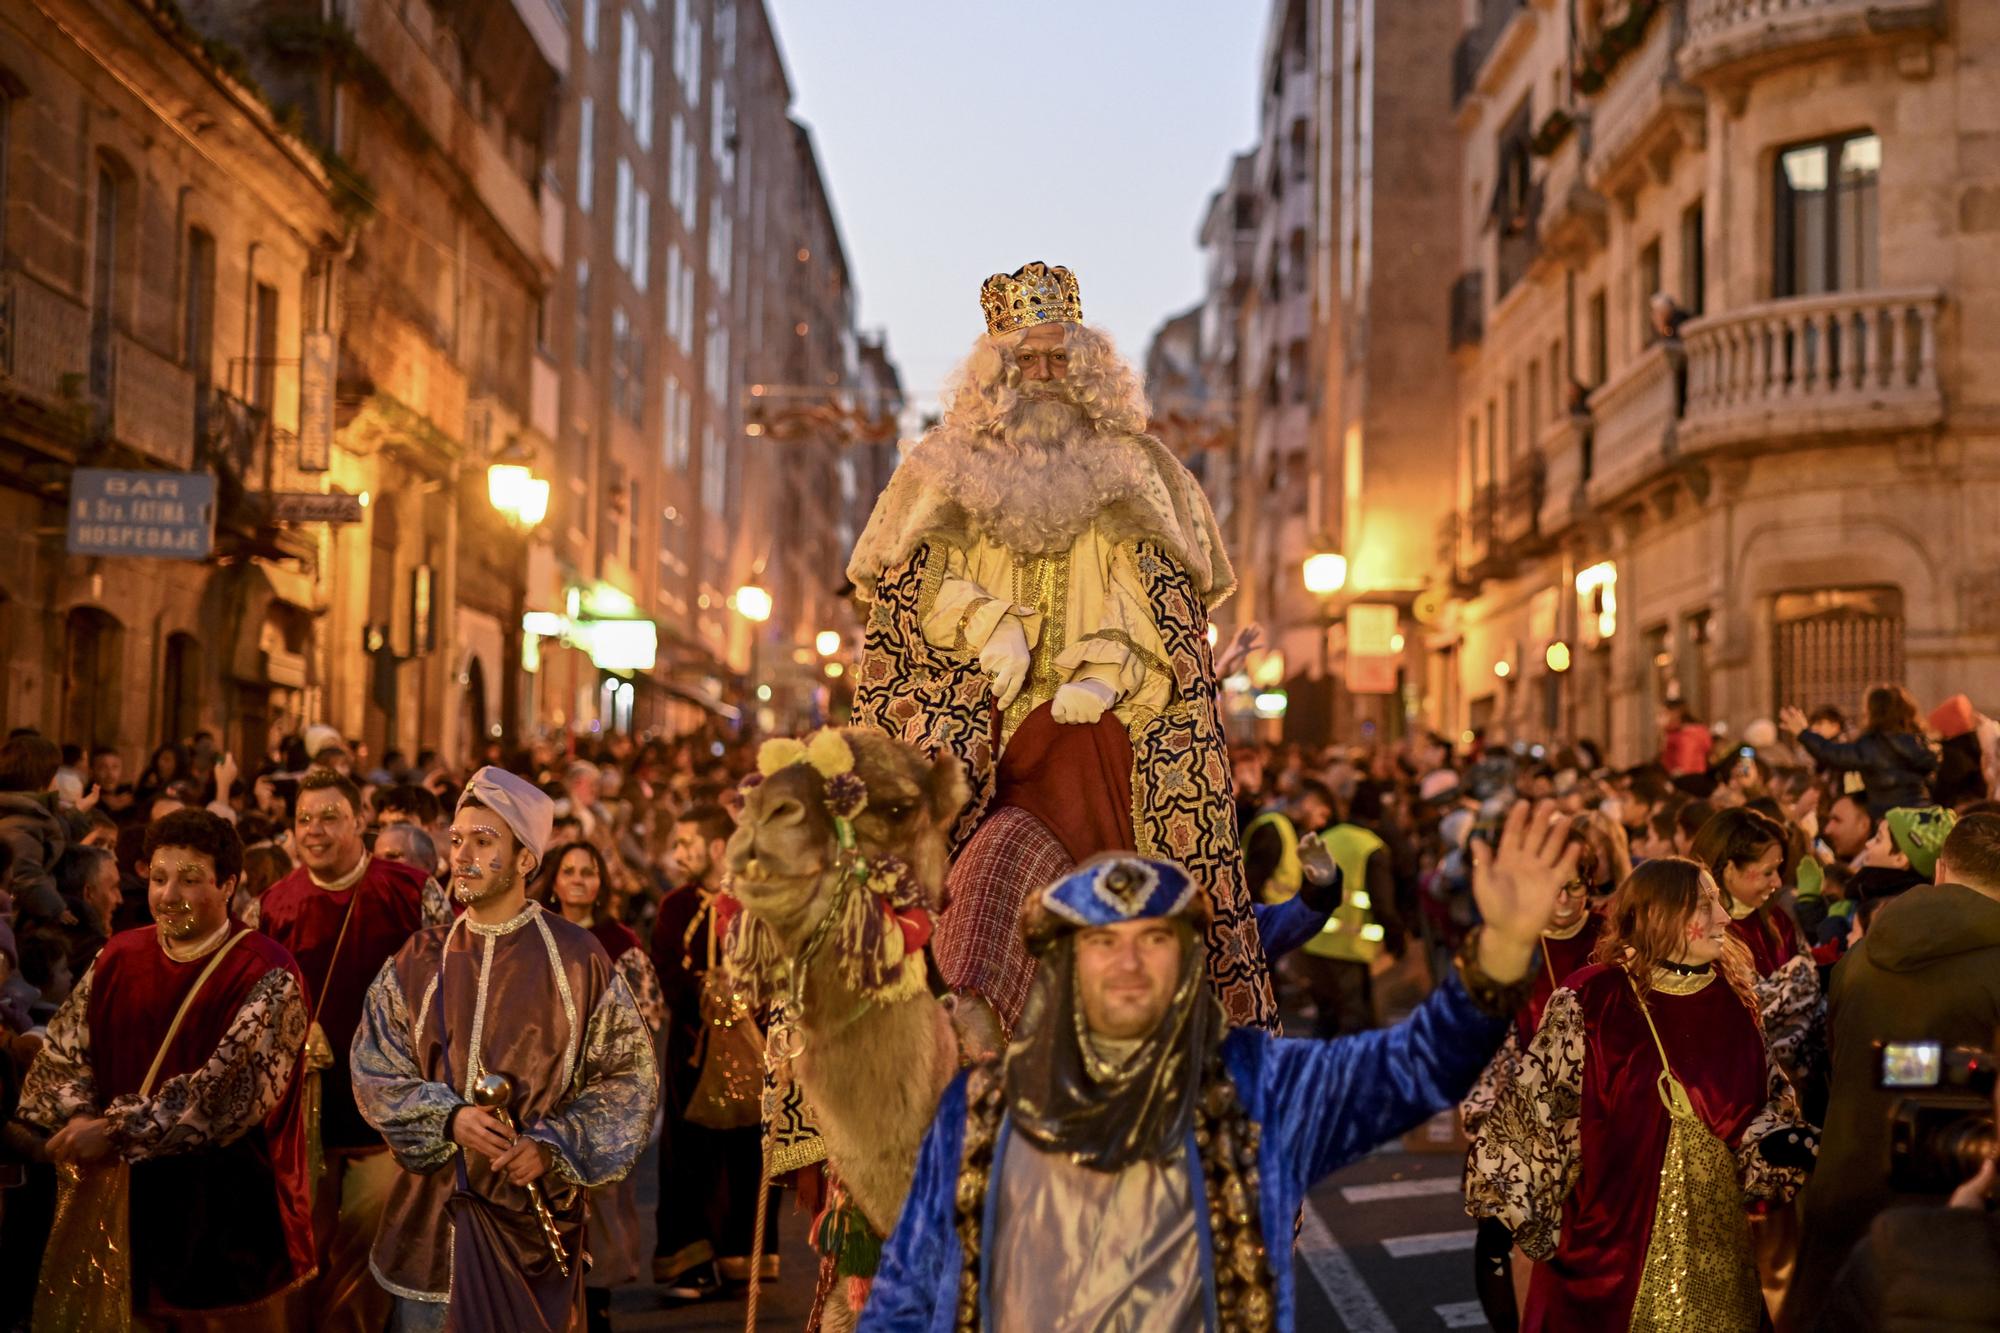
{"x": 872, "y": 1069}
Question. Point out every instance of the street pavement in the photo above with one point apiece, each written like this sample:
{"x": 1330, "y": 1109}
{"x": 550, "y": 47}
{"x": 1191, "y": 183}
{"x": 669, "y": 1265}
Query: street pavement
{"x": 1386, "y": 1245}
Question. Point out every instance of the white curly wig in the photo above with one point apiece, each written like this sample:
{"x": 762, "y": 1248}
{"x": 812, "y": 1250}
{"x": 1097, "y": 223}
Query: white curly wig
{"x": 986, "y": 387}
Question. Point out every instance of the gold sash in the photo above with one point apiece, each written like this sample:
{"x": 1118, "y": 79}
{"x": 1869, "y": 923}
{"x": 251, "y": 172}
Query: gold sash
{"x": 86, "y": 1281}
{"x": 1699, "y": 1275}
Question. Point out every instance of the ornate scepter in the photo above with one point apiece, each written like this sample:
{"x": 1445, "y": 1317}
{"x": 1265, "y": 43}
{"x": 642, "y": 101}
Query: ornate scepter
{"x": 495, "y": 1092}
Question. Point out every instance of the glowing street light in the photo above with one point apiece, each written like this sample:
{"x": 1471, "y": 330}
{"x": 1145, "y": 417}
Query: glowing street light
{"x": 1325, "y": 573}
{"x": 516, "y": 492}
{"x": 827, "y": 641}
{"x": 1558, "y": 657}
{"x": 753, "y": 603}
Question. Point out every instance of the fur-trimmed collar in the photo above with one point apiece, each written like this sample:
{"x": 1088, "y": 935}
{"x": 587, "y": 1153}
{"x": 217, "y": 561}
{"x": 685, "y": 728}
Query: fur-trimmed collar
{"x": 1141, "y": 493}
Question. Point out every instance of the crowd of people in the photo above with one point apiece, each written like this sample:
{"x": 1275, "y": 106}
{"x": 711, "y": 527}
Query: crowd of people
{"x": 633, "y": 856}
{"x": 1842, "y": 876}
{"x": 352, "y": 1041}
{"x": 1845, "y": 883}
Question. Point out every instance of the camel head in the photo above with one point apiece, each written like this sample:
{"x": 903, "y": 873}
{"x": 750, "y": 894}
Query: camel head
{"x": 785, "y": 841}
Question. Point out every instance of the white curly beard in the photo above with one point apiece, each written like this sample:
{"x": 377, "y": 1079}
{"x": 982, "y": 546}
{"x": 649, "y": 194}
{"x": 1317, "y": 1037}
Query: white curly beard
{"x": 1035, "y": 484}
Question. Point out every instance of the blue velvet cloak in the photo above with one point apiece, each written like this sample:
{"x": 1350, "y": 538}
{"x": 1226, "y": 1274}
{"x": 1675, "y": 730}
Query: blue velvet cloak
{"x": 1321, "y": 1105}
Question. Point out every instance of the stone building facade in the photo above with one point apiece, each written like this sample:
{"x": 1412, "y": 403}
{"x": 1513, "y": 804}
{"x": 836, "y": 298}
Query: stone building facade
{"x": 166, "y": 244}
{"x": 1772, "y": 485}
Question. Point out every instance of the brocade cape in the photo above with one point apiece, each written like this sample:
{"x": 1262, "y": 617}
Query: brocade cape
{"x": 1319, "y": 1106}
{"x": 536, "y": 999}
{"x": 1183, "y": 804}
{"x": 221, "y": 1210}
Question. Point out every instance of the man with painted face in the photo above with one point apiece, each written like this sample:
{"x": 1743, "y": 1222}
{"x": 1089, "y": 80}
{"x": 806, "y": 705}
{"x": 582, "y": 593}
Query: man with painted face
{"x": 484, "y": 1226}
{"x": 1134, "y": 1162}
{"x": 342, "y": 913}
{"x": 178, "y": 1055}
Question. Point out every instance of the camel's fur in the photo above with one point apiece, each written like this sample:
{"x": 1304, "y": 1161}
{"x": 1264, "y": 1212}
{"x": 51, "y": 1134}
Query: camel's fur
{"x": 872, "y": 1077}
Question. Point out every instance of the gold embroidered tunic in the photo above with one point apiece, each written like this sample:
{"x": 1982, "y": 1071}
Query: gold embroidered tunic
{"x": 1083, "y": 611}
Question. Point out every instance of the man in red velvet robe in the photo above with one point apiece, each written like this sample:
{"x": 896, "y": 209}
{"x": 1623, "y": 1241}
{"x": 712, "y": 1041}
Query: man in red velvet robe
{"x": 179, "y": 1053}
{"x": 342, "y": 914}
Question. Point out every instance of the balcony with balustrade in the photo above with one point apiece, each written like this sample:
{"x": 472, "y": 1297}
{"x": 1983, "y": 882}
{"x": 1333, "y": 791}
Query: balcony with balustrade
{"x": 152, "y": 403}
{"x": 1729, "y": 39}
{"x": 1633, "y": 432}
{"x": 1643, "y": 114}
{"x": 44, "y": 343}
{"x": 1850, "y": 362}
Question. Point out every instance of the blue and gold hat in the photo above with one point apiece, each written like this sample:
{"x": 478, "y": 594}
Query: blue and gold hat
{"x": 1106, "y": 890}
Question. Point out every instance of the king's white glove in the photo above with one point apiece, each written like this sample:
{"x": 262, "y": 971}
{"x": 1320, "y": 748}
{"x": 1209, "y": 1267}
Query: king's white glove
{"x": 1082, "y": 701}
{"x": 1005, "y": 658}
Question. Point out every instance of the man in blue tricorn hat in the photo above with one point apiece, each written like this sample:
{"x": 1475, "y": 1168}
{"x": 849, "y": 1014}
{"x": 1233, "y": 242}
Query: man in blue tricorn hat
{"x": 1134, "y": 1163}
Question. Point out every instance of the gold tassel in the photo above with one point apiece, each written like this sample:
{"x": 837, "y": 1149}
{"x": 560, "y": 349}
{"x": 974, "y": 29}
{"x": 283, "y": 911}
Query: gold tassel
{"x": 319, "y": 1056}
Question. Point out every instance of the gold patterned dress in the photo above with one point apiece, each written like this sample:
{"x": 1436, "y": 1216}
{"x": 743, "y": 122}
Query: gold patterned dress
{"x": 1625, "y": 1153}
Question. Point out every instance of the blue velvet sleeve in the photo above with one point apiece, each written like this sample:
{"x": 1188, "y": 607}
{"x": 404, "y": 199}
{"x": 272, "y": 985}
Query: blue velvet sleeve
{"x": 1338, "y": 1099}
{"x": 922, "y": 1254}
{"x": 1285, "y": 926}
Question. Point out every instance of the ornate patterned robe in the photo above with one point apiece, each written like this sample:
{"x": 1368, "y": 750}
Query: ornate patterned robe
{"x": 937, "y": 698}
{"x": 221, "y": 1210}
{"x": 1572, "y": 1156}
{"x": 536, "y": 999}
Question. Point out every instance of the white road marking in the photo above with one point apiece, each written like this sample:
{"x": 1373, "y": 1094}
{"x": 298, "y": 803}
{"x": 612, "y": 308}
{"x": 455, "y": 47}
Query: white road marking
{"x": 1462, "y": 1314}
{"x": 1432, "y": 1242}
{"x": 1352, "y": 1301}
{"x": 1399, "y": 1189}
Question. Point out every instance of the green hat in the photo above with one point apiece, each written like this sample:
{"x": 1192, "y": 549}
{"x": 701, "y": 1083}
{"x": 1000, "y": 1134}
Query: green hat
{"x": 1919, "y": 833}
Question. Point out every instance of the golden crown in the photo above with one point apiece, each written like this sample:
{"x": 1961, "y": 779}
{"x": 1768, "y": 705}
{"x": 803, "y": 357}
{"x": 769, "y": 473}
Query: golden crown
{"x": 1032, "y": 294}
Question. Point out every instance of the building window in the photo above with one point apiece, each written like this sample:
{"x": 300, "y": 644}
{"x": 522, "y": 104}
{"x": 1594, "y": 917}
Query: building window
{"x": 1829, "y": 646}
{"x": 1649, "y": 283}
{"x": 93, "y": 681}
{"x": 642, "y": 123}
{"x": 621, "y": 217}
{"x": 1694, "y": 260}
{"x": 714, "y": 473}
{"x": 264, "y": 348}
{"x": 198, "y": 308}
{"x": 1826, "y": 212}
{"x": 1600, "y": 348}
{"x": 628, "y": 65}
{"x": 105, "y": 260}
{"x": 6, "y": 140}
{"x": 590, "y": 25}
{"x": 1534, "y": 383}
{"x": 1512, "y": 215}
{"x": 180, "y": 689}
{"x": 642, "y": 249}
{"x": 583, "y": 312}
{"x": 586, "y": 151}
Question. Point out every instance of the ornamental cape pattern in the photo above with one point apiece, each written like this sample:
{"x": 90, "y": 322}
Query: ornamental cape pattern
{"x": 1183, "y": 806}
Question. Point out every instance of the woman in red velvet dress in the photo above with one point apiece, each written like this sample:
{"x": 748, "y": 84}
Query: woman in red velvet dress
{"x": 1745, "y": 853}
{"x": 578, "y": 885}
{"x": 1567, "y": 945}
{"x": 1646, "y": 1118}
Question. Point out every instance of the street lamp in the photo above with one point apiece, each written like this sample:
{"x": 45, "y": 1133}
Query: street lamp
{"x": 518, "y": 493}
{"x": 753, "y": 603}
{"x": 1325, "y": 574}
{"x": 827, "y": 641}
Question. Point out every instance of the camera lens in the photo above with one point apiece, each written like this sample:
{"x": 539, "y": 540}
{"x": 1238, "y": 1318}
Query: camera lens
{"x": 1961, "y": 1149}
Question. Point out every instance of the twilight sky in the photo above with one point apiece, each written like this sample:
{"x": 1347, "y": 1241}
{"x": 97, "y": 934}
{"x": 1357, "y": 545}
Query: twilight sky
{"x": 960, "y": 140}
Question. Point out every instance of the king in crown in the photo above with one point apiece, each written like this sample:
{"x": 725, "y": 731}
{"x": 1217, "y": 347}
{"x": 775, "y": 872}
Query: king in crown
{"x": 1039, "y": 573}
